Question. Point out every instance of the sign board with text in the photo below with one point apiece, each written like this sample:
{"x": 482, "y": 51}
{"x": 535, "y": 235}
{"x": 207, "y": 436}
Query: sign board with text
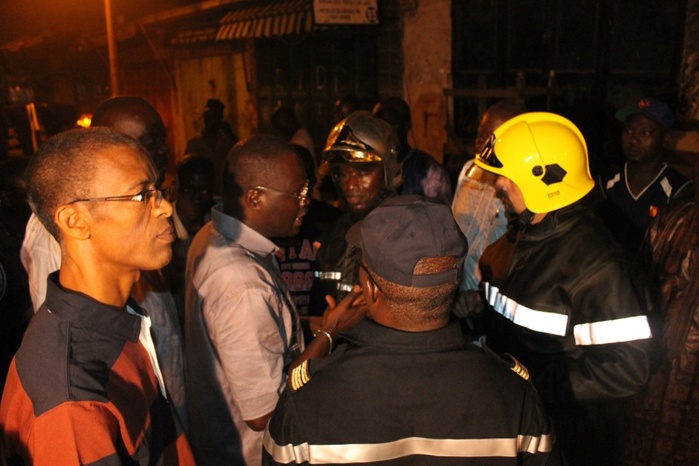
{"x": 346, "y": 11}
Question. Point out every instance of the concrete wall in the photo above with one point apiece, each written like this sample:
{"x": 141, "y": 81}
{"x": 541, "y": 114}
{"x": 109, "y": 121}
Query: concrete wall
{"x": 427, "y": 71}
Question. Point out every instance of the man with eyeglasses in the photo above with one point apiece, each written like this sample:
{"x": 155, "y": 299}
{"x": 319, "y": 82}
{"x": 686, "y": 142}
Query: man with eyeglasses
{"x": 41, "y": 255}
{"x": 363, "y": 154}
{"x": 86, "y": 386}
{"x": 241, "y": 326}
{"x": 298, "y": 254}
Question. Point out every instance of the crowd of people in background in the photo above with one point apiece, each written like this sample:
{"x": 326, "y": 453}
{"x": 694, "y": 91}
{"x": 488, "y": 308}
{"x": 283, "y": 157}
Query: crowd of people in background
{"x": 273, "y": 301}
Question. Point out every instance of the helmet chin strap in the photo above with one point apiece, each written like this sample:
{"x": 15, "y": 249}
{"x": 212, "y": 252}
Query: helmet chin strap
{"x": 519, "y": 223}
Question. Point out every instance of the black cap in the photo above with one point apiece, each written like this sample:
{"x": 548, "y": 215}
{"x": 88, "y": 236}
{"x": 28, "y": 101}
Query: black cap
{"x": 404, "y": 229}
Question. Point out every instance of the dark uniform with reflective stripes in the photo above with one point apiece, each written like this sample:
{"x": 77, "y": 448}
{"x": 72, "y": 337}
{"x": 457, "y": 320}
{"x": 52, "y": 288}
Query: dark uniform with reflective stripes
{"x": 409, "y": 398}
{"x": 568, "y": 303}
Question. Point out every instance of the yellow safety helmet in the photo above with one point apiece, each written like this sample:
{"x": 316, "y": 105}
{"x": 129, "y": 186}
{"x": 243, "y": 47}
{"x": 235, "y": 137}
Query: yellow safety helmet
{"x": 545, "y": 155}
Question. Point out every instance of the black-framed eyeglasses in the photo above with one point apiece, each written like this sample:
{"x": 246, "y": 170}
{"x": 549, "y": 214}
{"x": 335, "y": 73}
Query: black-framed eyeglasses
{"x": 301, "y": 195}
{"x": 144, "y": 197}
{"x": 487, "y": 154}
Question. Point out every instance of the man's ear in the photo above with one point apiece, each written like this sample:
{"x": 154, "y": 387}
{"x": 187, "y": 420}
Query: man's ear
{"x": 372, "y": 289}
{"x": 73, "y": 222}
{"x": 252, "y": 199}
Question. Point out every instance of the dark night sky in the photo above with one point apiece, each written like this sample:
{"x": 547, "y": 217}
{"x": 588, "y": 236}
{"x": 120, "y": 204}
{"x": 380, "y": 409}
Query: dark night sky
{"x": 22, "y": 18}
{"x": 39, "y": 17}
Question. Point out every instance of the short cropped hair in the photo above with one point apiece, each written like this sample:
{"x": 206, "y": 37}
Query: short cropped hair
{"x": 63, "y": 169}
{"x": 421, "y": 305}
{"x": 251, "y": 162}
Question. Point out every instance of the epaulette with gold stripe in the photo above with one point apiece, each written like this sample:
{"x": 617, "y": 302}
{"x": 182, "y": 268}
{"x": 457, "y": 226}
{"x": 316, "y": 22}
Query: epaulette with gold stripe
{"x": 519, "y": 368}
{"x": 300, "y": 376}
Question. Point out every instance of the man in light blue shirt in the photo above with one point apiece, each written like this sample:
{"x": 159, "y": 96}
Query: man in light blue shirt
{"x": 241, "y": 327}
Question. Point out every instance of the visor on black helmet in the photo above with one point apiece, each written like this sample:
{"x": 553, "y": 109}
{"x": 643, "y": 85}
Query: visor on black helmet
{"x": 487, "y": 154}
{"x": 350, "y": 155}
{"x": 350, "y": 148}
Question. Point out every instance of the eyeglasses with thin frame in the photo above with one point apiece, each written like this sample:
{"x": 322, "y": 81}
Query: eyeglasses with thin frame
{"x": 144, "y": 197}
{"x": 301, "y": 195}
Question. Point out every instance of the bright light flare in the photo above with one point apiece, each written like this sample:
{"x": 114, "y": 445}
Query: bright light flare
{"x": 84, "y": 121}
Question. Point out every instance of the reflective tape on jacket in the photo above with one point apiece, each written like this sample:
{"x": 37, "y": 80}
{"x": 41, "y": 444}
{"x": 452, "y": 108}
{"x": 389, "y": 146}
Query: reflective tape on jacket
{"x": 593, "y": 333}
{"x": 612, "y": 331}
{"x": 539, "y": 321}
{"x": 371, "y": 452}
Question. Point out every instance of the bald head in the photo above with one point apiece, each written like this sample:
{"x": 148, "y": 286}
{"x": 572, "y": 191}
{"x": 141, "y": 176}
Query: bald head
{"x": 135, "y": 117}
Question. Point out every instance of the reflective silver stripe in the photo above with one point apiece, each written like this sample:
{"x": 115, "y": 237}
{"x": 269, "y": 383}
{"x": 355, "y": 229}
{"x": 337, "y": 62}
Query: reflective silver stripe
{"x": 612, "y": 331}
{"x": 344, "y": 287}
{"x": 328, "y": 275}
{"x": 539, "y": 321}
{"x": 369, "y": 452}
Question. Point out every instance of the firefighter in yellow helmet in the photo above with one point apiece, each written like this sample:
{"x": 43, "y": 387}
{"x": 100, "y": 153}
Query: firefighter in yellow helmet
{"x": 559, "y": 294}
{"x": 543, "y": 155}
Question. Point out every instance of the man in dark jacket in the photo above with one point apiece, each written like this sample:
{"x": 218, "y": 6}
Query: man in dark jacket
{"x": 561, "y": 296}
{"x": 85, "y": 386}
{"x": 406, "y": 386}
{"x": 362, "y": 151}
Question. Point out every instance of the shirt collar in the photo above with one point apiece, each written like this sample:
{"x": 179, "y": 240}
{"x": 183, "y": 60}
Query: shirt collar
{"x": 83, "y": 311}
{"x": 237, "y": 231}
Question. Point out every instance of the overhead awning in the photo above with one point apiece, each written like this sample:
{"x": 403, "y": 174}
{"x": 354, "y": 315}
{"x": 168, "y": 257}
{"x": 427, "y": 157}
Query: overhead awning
{"x": 267, "y": 19}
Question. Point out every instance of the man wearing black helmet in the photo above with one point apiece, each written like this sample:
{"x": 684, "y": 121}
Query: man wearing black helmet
{"x": 561, "y": 296}
{"x": 363, "y": 154}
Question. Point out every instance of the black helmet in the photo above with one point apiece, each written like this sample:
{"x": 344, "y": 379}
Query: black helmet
{"x": 362, "y": 138}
